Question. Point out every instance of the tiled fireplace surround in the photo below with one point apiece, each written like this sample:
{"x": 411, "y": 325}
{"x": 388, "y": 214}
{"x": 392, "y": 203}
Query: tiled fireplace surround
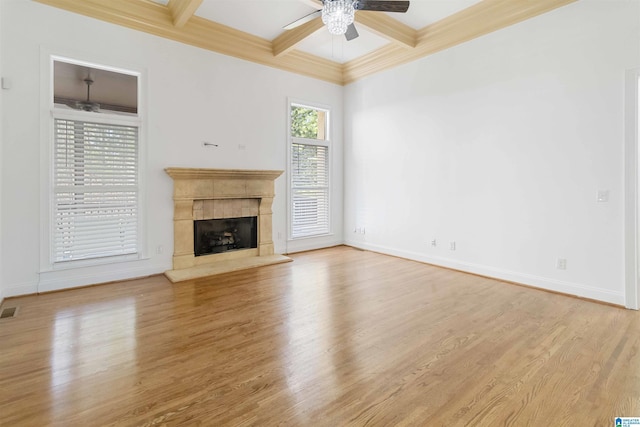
{"x": 217, "y": 194}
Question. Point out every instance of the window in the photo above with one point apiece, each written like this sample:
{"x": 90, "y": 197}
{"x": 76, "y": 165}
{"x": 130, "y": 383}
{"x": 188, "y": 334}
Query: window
{"x": 309, "y": 175}
{"x": 95, "y": 164}
{"x": 95, "y": 189}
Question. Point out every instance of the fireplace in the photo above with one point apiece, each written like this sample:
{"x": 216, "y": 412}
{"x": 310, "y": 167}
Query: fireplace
{"x": 215, "y": 236}
{"x": 210, "y": 209}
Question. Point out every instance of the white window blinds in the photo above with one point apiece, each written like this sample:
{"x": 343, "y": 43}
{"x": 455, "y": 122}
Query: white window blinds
{"x": 95, "y": 190}
{"x": 309, "y": 189}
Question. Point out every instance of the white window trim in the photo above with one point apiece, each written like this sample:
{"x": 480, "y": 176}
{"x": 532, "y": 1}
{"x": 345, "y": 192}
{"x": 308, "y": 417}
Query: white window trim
{"x": 47, "y": 112}
{"x": 632, "y": 189}
{"x": 326, "y": 142}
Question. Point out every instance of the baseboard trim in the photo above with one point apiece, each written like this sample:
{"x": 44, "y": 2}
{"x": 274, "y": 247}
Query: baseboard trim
{"x": 304, "y": 245}
{"x": 50, "y": 284}
{"x": 552, "y": 285}
{"x": 18, "y": 289}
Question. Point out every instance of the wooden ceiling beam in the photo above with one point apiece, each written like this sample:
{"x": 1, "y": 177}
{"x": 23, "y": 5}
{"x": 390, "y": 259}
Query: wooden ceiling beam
{"x": 387, "y": 27}
{"x": 183, "y": 10}
{"x": 288, "y": 40}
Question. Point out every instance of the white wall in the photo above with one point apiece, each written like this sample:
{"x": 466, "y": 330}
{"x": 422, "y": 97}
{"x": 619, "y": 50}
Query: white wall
{"x": 501, "y": 145}
{"x": 193, "y": 95}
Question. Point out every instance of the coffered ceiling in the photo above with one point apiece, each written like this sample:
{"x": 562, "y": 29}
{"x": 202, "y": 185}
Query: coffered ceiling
{"x": 253, "y": 29}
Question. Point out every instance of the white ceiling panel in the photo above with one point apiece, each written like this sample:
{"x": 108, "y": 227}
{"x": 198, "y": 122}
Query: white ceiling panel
{"x": 424, "y": 12}
{"x": 337, "y": 48}
{"x": 262, "y": 18}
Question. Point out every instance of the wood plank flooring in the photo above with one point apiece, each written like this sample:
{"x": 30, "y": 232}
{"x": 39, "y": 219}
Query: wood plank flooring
{"x": 339, "y": 337}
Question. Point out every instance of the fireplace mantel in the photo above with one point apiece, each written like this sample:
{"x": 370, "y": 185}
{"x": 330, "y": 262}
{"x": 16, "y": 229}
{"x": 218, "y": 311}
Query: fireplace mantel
{"x": 194, "y": 173}
{"x": 220, "y": 193}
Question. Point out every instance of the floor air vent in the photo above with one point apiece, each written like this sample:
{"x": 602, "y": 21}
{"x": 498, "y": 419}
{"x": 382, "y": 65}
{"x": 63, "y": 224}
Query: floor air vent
{"x": 8, "y": 312}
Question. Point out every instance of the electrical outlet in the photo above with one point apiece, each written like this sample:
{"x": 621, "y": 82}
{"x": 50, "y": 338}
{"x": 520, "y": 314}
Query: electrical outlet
{"x": 452, "y": 246}
{"x": 434, "y": 243}
{"x": 159, "y": 249}
{"x": 603, "y": 196}
{"x": 561, "y": 264}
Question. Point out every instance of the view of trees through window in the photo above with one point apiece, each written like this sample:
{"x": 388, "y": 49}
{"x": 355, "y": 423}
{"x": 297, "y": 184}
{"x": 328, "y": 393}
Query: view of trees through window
{"x": 309, "y": 171}
{"x": 308, "y": 122}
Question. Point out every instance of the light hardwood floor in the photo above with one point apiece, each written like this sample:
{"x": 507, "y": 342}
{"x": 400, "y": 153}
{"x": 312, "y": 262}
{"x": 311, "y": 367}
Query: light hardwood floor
{"x": 338, "y": 337}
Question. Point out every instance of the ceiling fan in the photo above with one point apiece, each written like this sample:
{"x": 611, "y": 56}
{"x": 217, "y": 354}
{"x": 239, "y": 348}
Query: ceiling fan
{"x": 338, "y": 14}
{"x": 88, "y": 105}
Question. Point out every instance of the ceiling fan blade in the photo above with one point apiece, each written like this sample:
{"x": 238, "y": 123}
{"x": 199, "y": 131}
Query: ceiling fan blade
{"x": 383, "y": 5}
{"x": 303, "y": 20}
{"x": 351, "y": 33}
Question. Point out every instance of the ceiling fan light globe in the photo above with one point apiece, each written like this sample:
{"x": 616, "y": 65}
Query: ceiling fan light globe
{"x": 337, "y": 15}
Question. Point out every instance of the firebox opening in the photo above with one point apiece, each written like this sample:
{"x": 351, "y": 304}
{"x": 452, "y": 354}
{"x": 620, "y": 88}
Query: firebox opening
{"x": 214, "y": 236}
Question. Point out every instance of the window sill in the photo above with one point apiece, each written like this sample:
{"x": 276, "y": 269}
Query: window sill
{"x": 315, "y": 236}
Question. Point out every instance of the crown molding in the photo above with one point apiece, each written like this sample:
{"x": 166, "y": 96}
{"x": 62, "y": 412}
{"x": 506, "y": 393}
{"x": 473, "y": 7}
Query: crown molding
{"x": 480, "y": 19}
{"x": 177, "y": 22}
{"x": 157, "y": 19}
